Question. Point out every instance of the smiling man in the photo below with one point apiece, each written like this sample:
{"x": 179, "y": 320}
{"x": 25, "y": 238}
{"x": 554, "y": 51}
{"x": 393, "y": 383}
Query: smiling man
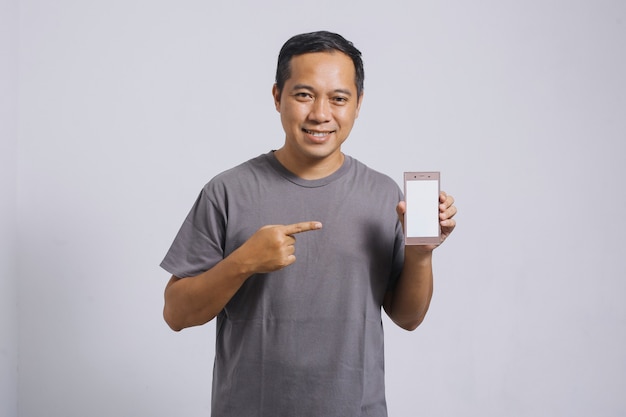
{"x": 299, "y": 330}
{"x": 318, "y": 105}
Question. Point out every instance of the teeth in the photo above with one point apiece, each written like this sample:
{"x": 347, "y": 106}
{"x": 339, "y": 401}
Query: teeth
{"x": 317, "y": 134}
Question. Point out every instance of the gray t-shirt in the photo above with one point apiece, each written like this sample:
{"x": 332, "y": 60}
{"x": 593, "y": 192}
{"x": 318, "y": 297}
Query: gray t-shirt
{"x": 306, "y": 340}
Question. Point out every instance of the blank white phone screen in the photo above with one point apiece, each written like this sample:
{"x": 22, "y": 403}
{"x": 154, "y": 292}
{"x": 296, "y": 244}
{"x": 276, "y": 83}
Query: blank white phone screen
{"x": 422, "y": 208}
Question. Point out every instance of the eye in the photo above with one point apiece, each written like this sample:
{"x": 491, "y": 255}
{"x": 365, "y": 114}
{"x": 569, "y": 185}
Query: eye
{"x": 303, "y": 96}
{"x": 340, "y": 100}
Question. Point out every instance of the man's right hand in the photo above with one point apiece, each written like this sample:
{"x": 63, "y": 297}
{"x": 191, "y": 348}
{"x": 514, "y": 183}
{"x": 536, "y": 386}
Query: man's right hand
{"x": 272, "y": 247}
{"x": 196, "y": 300}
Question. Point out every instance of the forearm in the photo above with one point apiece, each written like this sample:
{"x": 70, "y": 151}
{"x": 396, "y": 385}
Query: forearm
{"x": 408, "y": 303}
{"x": 197, "y": 300}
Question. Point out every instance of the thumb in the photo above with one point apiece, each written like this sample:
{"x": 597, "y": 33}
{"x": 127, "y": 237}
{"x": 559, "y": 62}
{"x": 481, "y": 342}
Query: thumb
{"x": 401, "y": 210}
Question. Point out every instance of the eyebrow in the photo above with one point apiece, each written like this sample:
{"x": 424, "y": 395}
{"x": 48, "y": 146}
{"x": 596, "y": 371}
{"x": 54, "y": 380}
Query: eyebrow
{"x": 309, "y": 88}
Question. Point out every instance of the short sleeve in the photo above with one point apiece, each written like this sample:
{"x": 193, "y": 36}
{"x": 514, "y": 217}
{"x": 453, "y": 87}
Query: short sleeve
{"x": 199, "y": 244}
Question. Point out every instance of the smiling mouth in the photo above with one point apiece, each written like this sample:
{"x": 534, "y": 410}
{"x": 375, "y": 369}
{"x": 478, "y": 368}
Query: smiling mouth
{"x": 318, "y": 134}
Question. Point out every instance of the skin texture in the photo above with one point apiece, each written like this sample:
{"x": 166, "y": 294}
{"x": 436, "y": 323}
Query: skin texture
{"x": 318, "y": 106}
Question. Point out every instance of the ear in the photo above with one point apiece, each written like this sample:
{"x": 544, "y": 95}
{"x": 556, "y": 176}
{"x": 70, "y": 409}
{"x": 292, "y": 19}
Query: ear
{"x": 276, "y": 95}
{"x": 358, "y": 106}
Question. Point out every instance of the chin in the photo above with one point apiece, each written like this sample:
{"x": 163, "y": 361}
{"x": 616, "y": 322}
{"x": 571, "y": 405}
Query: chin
{"x": 320, "y": 149}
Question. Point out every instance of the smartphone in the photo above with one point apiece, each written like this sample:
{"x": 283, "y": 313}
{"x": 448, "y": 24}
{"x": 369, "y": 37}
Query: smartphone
{"x": 421, "y": 218}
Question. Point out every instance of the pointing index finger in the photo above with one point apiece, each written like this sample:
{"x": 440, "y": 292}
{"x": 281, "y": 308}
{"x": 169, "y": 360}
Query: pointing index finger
{"x": 292, "y": 229}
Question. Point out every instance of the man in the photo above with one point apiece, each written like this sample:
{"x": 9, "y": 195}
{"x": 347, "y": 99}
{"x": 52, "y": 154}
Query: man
{"x": 299, "y": 329}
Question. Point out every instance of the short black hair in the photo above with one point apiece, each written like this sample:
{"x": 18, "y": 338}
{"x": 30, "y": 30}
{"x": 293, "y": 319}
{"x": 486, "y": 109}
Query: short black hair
{"x": 321, "y": 41}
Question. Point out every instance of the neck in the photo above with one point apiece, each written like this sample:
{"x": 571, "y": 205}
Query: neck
{"x": 310, "y": 168}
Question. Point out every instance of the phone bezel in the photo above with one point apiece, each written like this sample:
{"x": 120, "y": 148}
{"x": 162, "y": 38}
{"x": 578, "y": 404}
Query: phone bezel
{"x": 422, "y": 176}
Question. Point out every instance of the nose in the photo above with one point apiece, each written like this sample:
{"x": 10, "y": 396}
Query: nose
{"x": 320, "y": 111}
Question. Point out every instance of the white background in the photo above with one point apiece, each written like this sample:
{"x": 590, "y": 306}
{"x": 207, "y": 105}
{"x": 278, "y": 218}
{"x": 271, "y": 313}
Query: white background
{"x": 115, "y": 113}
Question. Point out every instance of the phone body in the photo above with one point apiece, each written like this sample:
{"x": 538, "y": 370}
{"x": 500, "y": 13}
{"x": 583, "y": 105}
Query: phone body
{"x": 421, "y": 218}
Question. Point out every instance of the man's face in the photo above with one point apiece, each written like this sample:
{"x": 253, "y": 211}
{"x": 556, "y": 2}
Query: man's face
{"x": 318, "y": 106}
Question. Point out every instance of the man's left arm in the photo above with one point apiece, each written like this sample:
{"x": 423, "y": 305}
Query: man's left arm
{"x": 408, "y": 302}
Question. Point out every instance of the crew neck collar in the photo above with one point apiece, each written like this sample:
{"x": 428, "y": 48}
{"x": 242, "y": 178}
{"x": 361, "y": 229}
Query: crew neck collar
{"x": 290, "y": 176}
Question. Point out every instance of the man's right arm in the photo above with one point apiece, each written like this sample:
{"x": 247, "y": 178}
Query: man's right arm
{"x": 197, "y": 300}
